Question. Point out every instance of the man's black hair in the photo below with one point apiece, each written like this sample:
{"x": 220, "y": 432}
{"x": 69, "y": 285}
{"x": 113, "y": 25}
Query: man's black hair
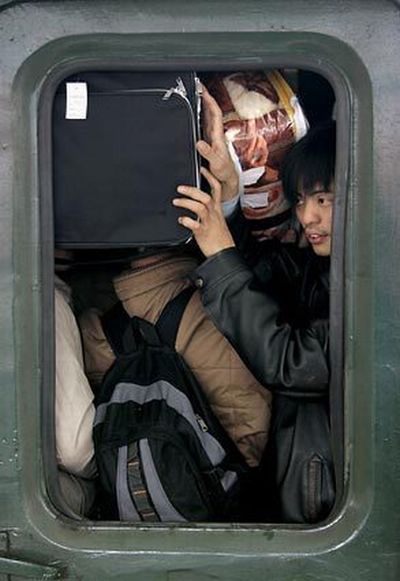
{"x": 310, "y": 162}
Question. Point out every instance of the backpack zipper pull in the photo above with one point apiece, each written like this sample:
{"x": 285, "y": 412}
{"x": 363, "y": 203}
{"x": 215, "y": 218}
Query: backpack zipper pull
{"x": 202, "y": 423}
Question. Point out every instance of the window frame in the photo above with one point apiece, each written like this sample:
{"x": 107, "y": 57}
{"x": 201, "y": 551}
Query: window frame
{"x": 328, "y": 62}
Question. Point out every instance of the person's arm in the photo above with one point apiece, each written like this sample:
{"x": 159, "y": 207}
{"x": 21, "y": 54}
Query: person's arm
{"x": 74, "y": 408}
{"x": 291, "y": 359}
{"x": 276, "y": 353}
{"x": 222, "y": 163}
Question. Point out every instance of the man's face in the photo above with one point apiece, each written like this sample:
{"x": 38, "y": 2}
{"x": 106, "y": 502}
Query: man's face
{"x": 314, "y": 212}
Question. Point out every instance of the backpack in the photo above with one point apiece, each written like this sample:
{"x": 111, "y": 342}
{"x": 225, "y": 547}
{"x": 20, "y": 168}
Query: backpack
{"x": 161, "y": 453}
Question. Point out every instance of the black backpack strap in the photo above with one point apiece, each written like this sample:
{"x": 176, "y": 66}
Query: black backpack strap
{"x": 121, "y": 331}
{"x": 117, "y": 327}
{"x": 170, "y": 318}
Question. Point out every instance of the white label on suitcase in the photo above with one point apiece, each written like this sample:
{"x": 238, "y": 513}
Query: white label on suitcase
{"x": 77, "y": 101}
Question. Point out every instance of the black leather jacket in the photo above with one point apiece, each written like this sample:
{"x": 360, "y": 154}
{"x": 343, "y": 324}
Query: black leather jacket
{"x": 283, "y": 340}
{"x": 276, "y": 316}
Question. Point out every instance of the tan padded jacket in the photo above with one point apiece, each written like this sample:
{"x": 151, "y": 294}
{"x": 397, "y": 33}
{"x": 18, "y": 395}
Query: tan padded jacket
{"x": 240, "y": 402}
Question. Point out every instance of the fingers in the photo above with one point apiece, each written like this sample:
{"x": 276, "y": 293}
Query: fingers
{"x": 198, "y": 195}
{"x": 198, "y": 208}
{"x": 189, "y": 223}
{"x": 210, "y": 102}
{"x": 193, "y": 193}
{"x": 198, "y": 202}
{"x": 212, "y": 116}
{"x": 214, "y": 184}
{"x": 205, "y": 150}
{"x": 214, "y": 157}
{"x": 211, "y": 106}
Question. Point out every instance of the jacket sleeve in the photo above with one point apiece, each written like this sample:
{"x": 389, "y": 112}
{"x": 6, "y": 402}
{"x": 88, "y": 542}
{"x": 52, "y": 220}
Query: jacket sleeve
{"x": 284, "y": 358}
{"x": 74, "y": 408}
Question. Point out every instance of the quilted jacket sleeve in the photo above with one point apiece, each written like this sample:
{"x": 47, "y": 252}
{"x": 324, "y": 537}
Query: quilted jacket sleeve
{"x": 285, "y": 358}
{"x": 74, "y": 409}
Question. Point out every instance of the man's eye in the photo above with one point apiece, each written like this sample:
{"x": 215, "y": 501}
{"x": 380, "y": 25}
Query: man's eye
{"x": 299, "y": 201}
{"x": 325, "y": 200}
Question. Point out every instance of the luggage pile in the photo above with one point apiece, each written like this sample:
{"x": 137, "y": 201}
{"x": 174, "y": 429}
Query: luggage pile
{"x": 262, "y": 118}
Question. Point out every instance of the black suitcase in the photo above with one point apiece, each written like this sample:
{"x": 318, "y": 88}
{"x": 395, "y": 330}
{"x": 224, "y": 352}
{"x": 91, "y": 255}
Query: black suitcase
{"x": 121, "y": 144}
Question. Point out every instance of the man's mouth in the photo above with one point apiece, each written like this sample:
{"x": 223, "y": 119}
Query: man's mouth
{"x": 316, "y": 238}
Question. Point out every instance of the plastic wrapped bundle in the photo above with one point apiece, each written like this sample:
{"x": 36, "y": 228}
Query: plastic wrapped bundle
{"x": 262, "y": 119}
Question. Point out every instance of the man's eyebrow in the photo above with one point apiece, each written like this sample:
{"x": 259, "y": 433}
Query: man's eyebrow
{"x": 313, "y": 193}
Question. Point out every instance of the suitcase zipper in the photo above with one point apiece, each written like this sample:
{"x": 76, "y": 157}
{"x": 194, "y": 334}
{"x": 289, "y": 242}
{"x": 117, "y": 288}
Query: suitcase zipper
{"x": 180, "y": 91}
{"x": 199, "y": 92}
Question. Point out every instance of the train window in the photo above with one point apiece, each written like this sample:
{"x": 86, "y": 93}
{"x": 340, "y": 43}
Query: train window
{"x": 104, "y": 141}
{"x": 267, "y": 106}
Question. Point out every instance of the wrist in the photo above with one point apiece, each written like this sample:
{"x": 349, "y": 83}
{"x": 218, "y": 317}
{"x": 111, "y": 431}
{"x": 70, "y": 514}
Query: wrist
{"x": 212, "y": 251}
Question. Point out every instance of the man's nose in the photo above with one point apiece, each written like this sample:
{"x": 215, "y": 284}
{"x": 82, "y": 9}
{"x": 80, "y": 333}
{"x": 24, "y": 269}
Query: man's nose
{"x": 309, "y": 212}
